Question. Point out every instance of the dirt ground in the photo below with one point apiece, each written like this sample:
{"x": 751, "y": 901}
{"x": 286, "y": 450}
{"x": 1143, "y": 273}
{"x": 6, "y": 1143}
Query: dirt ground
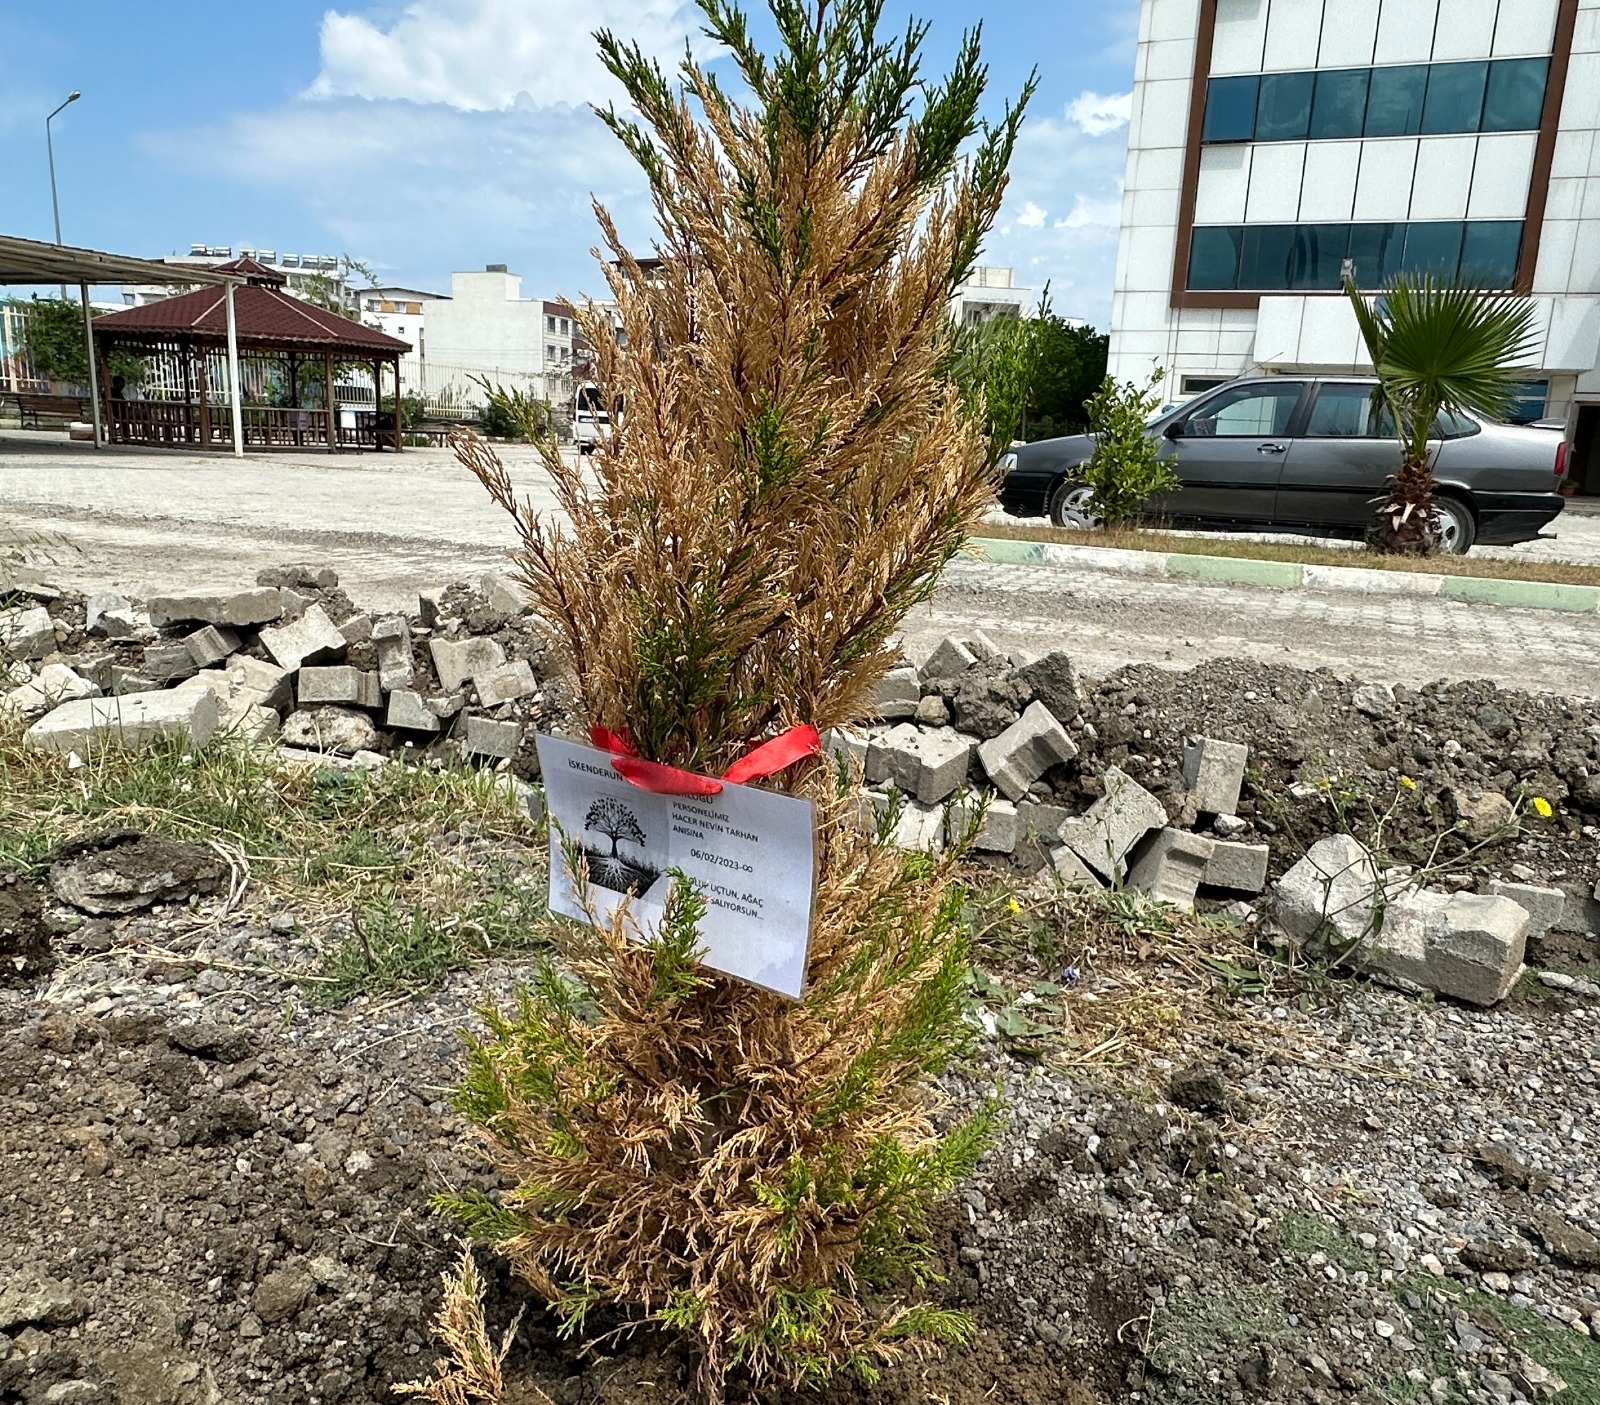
{"x": 143, "y": 523}
{"x": 1223, "y": 1176}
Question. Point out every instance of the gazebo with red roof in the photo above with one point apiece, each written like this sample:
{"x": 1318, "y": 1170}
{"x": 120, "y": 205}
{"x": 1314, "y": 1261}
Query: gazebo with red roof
{"x": 289, "y": 353}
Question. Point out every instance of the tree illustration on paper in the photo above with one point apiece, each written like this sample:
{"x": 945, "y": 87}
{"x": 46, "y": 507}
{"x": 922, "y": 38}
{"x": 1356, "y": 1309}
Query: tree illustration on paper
{"x": 614, "y": 820}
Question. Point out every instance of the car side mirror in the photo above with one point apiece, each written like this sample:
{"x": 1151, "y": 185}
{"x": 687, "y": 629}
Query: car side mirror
{"x": 1174, "y": 430}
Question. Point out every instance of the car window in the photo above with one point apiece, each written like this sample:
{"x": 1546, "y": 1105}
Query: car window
{"x": 1341, "y": 412}
{"x": 1448, "y": 425}
{"x": 1245, "y": 411}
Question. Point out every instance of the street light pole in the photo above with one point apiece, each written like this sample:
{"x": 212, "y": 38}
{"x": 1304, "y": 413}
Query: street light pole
{"x": 50, "y": 147}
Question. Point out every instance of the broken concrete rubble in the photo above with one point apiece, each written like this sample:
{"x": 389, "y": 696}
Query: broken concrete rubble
{"x": 483, "y": 736}
{"x": 506, "y": 683}
{"x": 1213, "y": 774}
{"x": 337, "y": 684}
{"x": 410, "y": 712}
{"x": 26, "y": 632}
{"x": 459, "y": 661}
{"x": 129, "y": 720}
{"x": 1468, "y": 946}
{"x": 245, "y": 607}
{"x": 211, "y": 644}
{"x": 897, "y": 693}
{"x": 1329, "y": 894}
{"x": 994, "y": 831}
{"x": 1240, "y": 868}
{"x": 1169, "y": 866}
{"x": 929, "y": 765}
{"x": 311, "y": 639}
{"x": 338, "y": 729}
{"x": 1025, "y": 750}
{"x": 1117, "y": 821}
{"x": 55, "y": 684}
{"x": 391, "y": 637}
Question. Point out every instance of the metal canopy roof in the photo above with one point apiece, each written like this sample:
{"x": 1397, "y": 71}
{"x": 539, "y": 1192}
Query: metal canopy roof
{"x": 33, "y": 261}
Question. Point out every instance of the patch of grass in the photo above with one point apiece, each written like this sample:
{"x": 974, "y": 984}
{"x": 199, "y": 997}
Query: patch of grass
{"x": 1209, "y": 544}
{"x": 1112, "y": 976}
{"x": 363, "y": 848}
{"x": 1205, "y": 1317}
{"x": 1304, "y": 1235}
{"x": 1555, "y": 1346}
{"x": 392, "y": 949}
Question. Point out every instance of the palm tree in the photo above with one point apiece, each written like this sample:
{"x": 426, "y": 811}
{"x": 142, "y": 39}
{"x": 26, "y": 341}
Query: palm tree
{"x": 1437, "y": 348}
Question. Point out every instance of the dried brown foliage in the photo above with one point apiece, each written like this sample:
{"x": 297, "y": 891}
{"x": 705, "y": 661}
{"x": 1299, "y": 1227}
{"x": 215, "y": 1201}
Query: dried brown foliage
{"x": 470, "y": 1372}
{"x": 789, "y": 475}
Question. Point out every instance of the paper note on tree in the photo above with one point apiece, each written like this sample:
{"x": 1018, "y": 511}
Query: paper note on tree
{"x": 750, "y": 852}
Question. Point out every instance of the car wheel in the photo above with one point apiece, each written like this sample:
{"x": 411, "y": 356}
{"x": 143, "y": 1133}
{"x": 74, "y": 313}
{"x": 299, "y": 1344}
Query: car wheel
{"x": 1454, "y": 525}
{"x": 1072, "y": 505}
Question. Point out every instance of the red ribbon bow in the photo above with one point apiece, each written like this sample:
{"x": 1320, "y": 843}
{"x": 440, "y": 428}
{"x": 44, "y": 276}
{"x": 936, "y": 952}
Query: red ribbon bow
{"x": 765, "y": 760}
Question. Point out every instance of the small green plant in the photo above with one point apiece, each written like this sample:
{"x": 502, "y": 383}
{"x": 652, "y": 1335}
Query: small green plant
{"x": 1126, "y": 469}
{"x": 513, "y": 414}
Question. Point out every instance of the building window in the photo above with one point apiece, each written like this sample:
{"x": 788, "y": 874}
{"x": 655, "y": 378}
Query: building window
{"x": 1403, "y": 100}
{"x": 1340, "y": 106}
{"x": 1283, "y": 109}
{"x": 549, "y": 323}
{"x": 1528, "y": 400}
{"x": 1273, "y": 258}
{"x": 1455, "y": 98}
{"x": 1214, "y": 257}
{"x": 1230, "y": 110}
{"x": 1515, "y": 97}
{"x": 1195, "y": 385}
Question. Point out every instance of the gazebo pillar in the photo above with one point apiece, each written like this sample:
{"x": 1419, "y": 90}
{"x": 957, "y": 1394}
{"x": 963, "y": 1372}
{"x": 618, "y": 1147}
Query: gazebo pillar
{"x": 94, "y": 371}
{"x": 234, "y": 391}
{"x": 333, "y": 412}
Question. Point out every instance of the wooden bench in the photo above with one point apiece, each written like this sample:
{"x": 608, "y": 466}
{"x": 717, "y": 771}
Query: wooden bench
{"x": 63, "y": 407}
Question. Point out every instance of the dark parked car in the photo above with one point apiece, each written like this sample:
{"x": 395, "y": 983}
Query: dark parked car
{"x": 1309, "y": 454}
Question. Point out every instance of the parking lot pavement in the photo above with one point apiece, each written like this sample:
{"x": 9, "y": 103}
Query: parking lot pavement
{"x": 389, "y": 524}
{"x": 1107, "y": 620}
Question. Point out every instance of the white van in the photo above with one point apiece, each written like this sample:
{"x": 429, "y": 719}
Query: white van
{"x": 591, "y": 420}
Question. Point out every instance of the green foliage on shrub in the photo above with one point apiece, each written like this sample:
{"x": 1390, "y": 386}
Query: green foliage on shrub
{"x": 1126, "y": 469}
{"x": 52, "y": 335}
{"x": 511, "y": 414}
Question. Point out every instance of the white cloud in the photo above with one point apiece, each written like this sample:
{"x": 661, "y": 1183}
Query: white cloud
{"x": 1059, "y": 166}
{"x": 1086, "y": 213}
{"x": 480, "y": 55}
{"x": 421, "y": 190}
{"x": 1030, "y": 216}
{"x": 1097, "y": 114}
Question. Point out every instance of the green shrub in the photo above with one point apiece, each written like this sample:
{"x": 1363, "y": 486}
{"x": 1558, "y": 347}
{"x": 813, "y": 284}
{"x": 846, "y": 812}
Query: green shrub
{"x": 1126, "y": 469}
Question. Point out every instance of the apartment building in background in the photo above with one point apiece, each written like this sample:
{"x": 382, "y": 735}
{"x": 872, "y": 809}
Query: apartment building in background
{"x": 302, "y": 273}
{"x": 401, "y": 312}
{"x": 1275, "y": 145}
{"x": 988, "y": 293}
{"x": 486, "y": 330}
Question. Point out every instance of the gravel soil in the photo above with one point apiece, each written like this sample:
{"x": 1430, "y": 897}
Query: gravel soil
{"x": 213, "y": 1189}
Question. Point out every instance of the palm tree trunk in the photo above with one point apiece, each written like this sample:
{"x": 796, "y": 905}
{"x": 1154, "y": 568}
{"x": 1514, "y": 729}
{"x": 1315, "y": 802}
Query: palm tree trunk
{"x": 1405, "y": 525}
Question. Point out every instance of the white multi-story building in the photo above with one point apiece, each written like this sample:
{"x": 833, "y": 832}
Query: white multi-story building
{"x": 486, "y": 330}
{"x": 986, "y": 294}
{"x": 1276, "y": 144}
{"x": 302, "y": 273}
{"x": 401, "y": 312}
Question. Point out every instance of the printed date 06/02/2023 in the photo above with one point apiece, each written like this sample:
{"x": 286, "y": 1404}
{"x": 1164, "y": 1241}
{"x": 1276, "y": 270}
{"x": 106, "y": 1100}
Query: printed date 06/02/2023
{"x": 720, "y": 859}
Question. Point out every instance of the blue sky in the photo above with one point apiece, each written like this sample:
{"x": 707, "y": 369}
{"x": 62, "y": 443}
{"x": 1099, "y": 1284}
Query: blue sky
{"x": 446, "y": 134}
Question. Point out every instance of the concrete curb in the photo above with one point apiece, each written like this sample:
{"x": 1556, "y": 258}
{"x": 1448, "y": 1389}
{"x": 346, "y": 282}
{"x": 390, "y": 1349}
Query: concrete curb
{"x": 1289, "y": 575}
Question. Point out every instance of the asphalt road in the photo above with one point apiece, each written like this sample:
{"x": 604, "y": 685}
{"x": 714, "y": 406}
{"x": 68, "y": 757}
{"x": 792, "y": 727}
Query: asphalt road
{"x": 143, "y": 522}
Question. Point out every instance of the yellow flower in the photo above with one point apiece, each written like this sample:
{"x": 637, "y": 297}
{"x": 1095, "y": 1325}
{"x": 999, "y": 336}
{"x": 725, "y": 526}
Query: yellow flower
{"x": 1408, "y": 783}
{"x": 1541, "y": 807}
{"x": 1012, "y": 905}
